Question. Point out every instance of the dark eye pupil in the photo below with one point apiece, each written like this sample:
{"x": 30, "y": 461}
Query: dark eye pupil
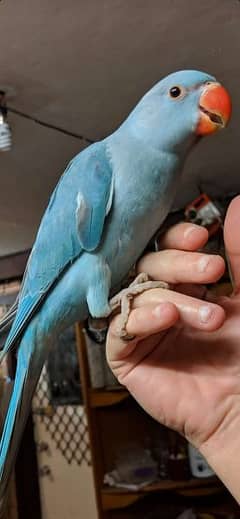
{"x": 175, "y": 91}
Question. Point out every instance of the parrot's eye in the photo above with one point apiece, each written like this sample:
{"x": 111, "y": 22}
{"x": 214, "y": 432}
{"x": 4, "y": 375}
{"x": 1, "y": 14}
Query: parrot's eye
{"x": 175, "y": 92}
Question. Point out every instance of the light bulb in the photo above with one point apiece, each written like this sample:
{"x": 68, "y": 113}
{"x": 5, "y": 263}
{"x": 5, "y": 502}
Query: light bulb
{"x": 5, "y": 134}
{"x": 5, "y": 130}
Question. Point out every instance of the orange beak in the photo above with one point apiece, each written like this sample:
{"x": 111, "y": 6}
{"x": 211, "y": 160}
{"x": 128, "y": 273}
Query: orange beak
{"x": 215, "y": 109}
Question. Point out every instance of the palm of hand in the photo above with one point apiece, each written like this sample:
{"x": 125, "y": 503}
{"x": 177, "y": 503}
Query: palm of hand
{"x": 188, "y": 379}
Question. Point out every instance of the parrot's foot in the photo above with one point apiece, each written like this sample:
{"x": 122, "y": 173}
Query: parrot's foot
{"x": 123, "y": 300}
{"x": 97, "y": 329}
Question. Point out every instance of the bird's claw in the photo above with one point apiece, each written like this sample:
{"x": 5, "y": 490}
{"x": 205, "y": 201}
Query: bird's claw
{"x": 123, "y": 300}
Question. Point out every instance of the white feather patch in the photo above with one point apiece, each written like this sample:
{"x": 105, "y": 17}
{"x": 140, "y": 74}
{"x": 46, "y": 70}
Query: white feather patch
{"x": 82, "y": 209}
{"x": 110, "y": 199}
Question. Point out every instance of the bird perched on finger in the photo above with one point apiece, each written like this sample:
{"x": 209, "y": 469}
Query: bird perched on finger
{"x": 108, "y": 204}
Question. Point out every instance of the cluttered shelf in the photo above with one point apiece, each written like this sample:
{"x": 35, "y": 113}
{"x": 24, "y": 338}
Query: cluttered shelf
{"x": 167, "y": 484}
{"x": 119, "y": 497}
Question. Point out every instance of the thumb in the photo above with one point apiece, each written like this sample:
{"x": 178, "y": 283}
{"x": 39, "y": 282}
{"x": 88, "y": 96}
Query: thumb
{"x": 232, "y": 240}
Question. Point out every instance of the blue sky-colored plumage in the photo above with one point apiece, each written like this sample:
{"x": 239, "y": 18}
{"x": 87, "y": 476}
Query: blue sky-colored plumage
{"x": 109, "y": 202}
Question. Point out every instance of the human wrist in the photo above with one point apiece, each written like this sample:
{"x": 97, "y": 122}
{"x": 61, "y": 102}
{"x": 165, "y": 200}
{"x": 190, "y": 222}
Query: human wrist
{"x": 222, "y": 451}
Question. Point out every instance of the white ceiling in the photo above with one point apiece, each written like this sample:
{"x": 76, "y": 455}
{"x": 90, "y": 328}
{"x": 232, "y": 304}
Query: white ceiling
{"x": 82, "y": 65}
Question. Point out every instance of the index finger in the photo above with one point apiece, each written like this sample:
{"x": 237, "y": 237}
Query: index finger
{"x": 184, "y": 236}
{"x": 232, "y": 241}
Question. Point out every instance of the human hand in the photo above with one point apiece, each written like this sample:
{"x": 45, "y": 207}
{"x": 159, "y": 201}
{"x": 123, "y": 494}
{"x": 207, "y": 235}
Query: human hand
{"x": 183, "y": 367}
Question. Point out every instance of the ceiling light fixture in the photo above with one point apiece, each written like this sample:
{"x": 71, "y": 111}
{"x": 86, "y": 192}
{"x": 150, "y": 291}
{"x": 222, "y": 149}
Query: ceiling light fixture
{"x": 5, "y": 130}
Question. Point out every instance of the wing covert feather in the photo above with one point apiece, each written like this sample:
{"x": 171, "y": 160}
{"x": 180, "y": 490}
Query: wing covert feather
{"x": 61, "y": 238}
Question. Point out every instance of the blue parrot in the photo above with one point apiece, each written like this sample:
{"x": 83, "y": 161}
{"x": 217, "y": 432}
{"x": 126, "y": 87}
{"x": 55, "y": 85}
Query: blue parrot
{"x": 110, "y": 201}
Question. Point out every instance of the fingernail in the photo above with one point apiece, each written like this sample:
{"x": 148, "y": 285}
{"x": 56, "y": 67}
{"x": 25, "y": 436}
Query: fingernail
{"x": 205, "y": 313}
{"x": 191, "y": 229}
{"x": 203, "y": 264}
{"x": 158, "y": 311}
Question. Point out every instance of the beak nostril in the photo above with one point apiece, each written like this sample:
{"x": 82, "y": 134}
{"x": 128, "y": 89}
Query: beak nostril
{"x": 215, "y": 108}
{"x": 215, "y": 118}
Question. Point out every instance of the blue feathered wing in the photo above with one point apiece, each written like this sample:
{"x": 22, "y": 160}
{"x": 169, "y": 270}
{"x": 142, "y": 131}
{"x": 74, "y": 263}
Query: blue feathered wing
{"x": 72, "y": 223}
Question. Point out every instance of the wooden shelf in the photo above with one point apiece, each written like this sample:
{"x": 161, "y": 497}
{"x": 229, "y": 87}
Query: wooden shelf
{"x": 104, "y": 398}
{"x": 113, "y": 498}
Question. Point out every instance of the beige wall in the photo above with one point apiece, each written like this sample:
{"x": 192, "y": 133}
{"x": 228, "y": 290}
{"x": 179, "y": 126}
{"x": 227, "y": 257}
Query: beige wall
{"x": 68, "y": 491}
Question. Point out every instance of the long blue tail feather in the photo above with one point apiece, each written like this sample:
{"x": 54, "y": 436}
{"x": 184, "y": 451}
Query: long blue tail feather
{"x": 30, "y": 361}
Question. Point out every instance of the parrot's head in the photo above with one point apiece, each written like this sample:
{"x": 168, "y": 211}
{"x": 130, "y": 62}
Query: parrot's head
{"x": 179, "y": 109}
